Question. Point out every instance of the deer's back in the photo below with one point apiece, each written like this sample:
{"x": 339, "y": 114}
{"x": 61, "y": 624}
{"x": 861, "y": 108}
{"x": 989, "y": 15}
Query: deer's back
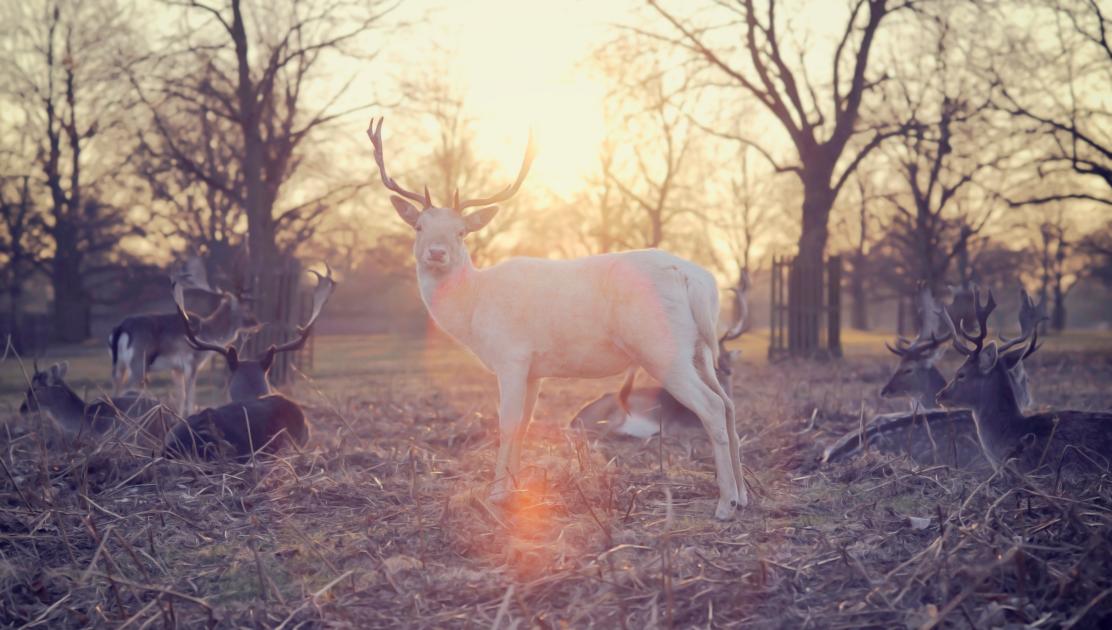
{"x": 586, "y": 316}
{"x": 1078, "y": 439}
{"x": 929, "y": 437}
{"x": 160, "y": 334}
{"x": 269, "y": 424}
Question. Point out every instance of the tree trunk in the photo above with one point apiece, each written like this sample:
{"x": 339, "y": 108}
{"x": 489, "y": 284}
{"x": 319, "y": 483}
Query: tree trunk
{"x": 71, "y": 312}
{"x": 806, "y": 302}
{"x": 859, "y": 316}
{"x": 1058, "y": 313}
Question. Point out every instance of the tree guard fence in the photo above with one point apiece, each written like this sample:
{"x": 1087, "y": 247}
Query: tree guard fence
{"x": 806, "y": 315}
{"x": 282, "y": 301}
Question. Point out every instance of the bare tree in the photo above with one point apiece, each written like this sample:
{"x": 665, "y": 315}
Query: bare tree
{"x": 20, "y": 245}
{"x": 1059, "y": 268}
{"x": 1061, "y": 106}
{"x": 821, "y": 123}
{"x": 64, "y": 82}
{"x": 859, "y": 229}
{"x": 661, "y": 142}
{"x": 253, "y": 75}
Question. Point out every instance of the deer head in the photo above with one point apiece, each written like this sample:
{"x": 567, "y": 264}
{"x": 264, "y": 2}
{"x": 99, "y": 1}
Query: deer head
{"x": 439, "y": 246}
{"x": 983, "y": 378}
{"x": 249, "y": 376}
{"x": 916, "y": 375}
{"x": 48, "y": 388}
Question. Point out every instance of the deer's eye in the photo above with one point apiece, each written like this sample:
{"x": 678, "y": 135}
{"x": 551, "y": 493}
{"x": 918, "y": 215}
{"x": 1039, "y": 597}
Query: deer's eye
{"x": 961, "y": 376}
{"x": 417, "y": 227}
{"x": 462, "y": 233}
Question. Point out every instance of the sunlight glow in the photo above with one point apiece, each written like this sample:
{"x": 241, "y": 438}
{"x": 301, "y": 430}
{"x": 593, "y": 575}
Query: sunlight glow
{"x": 527, "y": 69}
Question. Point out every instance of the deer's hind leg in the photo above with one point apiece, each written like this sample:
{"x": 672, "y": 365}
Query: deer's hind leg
{"x": 710, "y": 378}
{"x": 679, "y": 375}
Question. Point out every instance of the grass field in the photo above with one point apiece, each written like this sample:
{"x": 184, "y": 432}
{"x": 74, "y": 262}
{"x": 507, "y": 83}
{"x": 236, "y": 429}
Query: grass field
{"x": 382, "y": 521}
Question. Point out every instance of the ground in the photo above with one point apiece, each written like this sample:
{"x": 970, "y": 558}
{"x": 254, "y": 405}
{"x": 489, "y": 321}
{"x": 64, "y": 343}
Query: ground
{"x": 382, "y": 522}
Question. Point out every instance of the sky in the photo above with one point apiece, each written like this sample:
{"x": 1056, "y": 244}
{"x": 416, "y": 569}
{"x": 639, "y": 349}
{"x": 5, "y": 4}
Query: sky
{"x": 521, "y": 64}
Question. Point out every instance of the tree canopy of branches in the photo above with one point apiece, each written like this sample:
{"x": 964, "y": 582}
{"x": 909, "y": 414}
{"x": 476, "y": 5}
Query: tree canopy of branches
{"x": 1059, "y": 97}
{"x": 64, "y": 79}
{"x": 821, "y": 121}
{"x": 235, "y": 101}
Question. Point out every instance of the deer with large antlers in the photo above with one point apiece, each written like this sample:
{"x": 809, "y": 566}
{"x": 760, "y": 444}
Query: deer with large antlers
{"x": 985, "y": 385}
{"x": 156, "y": 342}
{"x": 644, "y": 411}
{"x": 527, "y": 319}
{"x": 928, "y": 430}
{"x": 257, "y": 418}
{"x": 916, "y": 375}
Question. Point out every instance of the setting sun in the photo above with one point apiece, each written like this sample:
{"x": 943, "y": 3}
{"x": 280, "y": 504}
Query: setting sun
{"x": 530, "y": 69}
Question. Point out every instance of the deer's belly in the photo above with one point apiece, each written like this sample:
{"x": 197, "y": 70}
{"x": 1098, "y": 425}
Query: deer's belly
{"x": 596, "y": 361}
{"x": 167, "y": 362}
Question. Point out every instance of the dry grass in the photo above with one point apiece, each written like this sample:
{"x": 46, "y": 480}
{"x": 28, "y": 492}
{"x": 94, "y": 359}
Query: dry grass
{"x": 382, "y": 522}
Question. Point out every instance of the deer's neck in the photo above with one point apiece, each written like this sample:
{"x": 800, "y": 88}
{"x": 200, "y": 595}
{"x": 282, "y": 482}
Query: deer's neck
{"x": 997, "y": 413}
{"x": 450, "y": 296}
{"x": 928, "y": 398}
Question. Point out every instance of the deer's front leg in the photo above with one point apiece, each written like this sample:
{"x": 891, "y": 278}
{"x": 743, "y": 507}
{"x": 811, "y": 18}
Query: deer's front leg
{"x": 532, "y": 388}
{"x": 512, "y": 393}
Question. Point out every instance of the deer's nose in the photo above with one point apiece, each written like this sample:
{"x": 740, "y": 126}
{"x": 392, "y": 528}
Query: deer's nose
{"x": 438, "y": 254}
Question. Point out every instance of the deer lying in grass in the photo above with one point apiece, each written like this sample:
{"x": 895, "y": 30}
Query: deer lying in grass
{"x": 49, "y": 393}
{"x": 151, "y": 343}
{"x": 527, "y": 319}
{"x": 916, "y": 376}
{"x": 257, "y": 418}
{"x": 928, "y": 431}
{"x": 985, "y": 385}
{"x": 643, "y": 411}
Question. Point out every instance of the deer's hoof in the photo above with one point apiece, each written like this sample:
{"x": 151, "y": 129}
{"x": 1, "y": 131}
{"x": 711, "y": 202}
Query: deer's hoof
{"x": 725, "y": 510}
{"x": 743, "y": 497}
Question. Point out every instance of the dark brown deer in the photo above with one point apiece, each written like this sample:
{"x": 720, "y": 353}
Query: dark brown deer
{"x": 929, "y": 434}
{"x": 640, "y": 412}
{"x": 257, "y": 418}
{"x": 984, "y": 384}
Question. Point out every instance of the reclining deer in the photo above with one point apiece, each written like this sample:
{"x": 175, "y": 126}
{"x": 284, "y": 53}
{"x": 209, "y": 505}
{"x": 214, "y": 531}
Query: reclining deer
{"x": 984, "y": 384}
{"x": 642, "y": 412}
{"x": 156, "y": 342}
{"x": 257, "y": 418}
{"x": 527, "y": 319}
{"x": 49, "y": 393}
{"x": 920, "y": 432}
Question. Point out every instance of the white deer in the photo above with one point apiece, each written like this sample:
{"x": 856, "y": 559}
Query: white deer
{"x": 527, "y": 319}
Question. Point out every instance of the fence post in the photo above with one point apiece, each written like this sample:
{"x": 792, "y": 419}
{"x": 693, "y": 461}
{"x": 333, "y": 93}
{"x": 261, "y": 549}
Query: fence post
{"x": 834, "y": 306}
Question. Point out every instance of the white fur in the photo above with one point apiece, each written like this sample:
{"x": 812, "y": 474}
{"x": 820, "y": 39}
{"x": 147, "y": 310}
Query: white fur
{"x": 527, "y": 319}
{"x": 124, "y": 353}
{"x": 639, "y": 426}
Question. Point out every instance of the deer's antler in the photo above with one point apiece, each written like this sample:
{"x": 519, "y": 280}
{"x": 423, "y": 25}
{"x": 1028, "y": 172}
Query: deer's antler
{"x": 375, "y": 134}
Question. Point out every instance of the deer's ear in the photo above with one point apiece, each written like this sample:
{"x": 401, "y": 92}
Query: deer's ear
{"x": 407, "y": 211}
{"x": 986, "y": 360}
{"x": 58, "y": 370}
{"x": 478, "y": 219}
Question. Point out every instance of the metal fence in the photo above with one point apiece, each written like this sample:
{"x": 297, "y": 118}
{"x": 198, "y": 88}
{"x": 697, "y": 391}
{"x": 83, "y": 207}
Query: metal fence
{"x": 283, "y": 303}
{"x": 806, "y": 311}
